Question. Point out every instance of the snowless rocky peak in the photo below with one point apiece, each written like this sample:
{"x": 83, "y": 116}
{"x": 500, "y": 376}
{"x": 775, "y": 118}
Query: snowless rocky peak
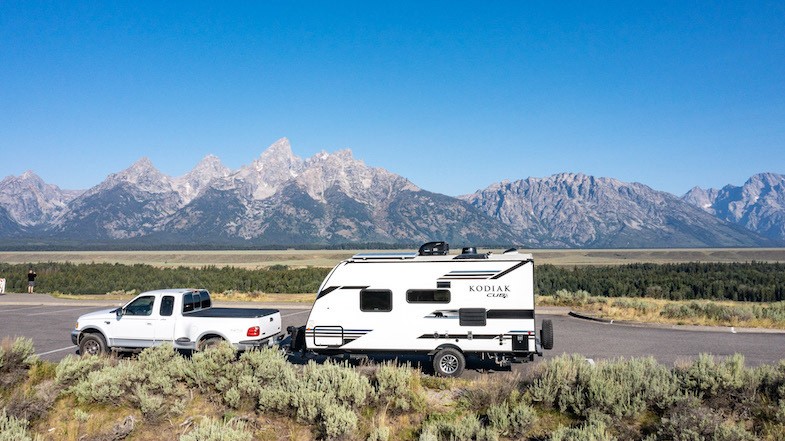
{"x": 703, "y": 198}
{"x": 206, "y": 171}
{"x": 30, "y": 200}
{"x": 276, "y": 165}
{"x": 340, "y": 170}
{"x": 143, "y": 174}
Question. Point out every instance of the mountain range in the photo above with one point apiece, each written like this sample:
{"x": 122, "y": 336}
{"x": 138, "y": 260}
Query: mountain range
{"x": 334, "y": 199}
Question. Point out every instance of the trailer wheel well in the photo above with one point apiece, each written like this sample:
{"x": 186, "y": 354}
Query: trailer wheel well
{"x": 446, "y": 345}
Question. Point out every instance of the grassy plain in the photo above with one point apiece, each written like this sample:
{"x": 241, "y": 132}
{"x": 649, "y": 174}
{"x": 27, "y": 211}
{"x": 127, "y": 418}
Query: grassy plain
{"x": 256, "y": 259}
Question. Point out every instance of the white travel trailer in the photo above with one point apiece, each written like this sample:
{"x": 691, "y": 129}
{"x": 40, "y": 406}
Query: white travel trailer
{"x": 429, "y": 302}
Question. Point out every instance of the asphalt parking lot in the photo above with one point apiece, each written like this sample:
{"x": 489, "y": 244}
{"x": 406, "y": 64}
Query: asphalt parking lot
{"x": 48, "y": 323}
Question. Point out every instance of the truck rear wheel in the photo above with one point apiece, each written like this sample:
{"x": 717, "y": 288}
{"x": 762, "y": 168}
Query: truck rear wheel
{"x": 210, "y": 343}
{"x": 92, "y": 344}
{"x": 449, "y": 362}
{"x": 546, "y": 334}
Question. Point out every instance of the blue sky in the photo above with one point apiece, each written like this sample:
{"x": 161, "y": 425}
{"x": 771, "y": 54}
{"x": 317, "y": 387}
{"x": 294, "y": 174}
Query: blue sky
{"x": 452, "y": 95}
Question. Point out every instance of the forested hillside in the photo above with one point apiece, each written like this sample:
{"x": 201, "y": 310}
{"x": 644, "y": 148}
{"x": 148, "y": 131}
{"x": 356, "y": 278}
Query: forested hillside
{"x": 756, "y": 282}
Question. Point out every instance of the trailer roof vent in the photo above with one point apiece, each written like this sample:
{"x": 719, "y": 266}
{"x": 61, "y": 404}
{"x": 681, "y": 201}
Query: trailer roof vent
{"x": 434, "y": 249}
{"x": 471, "y": 253}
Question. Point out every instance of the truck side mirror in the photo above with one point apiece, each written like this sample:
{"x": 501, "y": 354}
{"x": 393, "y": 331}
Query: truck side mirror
{"x": 119, "y": 312}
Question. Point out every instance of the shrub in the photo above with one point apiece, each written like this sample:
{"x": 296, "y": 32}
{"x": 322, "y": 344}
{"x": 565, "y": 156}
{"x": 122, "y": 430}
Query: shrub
{"x": 212, "y": 430}
{"x": 156, "y": 377}
{"x": 511, "y": 419}
{"x": 209, "y": 367}
{"x": 33, "y": 403}
{"x": 450, "y": 427}
{"x": 73, "y": 369}
{"x": 489, "y": 390}
{"x": 616, "y": 387}
{"x": 568, "y": 298}
{"x": 689, "y": 420}
{"x": 340, "y": 381}
{"x": 640, "y": 306}
{"x": 16, "y": 357}
{"x": 397, "y": 386}
{"x": 705, "y": 376}
{"x": 381, "y": 433}
{"x": 14, "y": 429}
{"x": 337, "y": 420}
{"x": 592, "y": 430}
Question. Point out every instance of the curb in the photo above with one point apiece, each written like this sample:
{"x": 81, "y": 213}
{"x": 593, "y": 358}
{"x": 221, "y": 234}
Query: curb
{"x": 693, "y": 328}
{"x": 589, "y": 317}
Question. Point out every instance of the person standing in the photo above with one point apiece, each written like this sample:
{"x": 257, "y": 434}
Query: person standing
{"x": 30, "y": 280}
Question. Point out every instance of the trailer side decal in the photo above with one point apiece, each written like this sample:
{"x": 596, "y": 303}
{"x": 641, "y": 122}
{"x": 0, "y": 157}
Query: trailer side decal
{"x": 326, "y": 291}
{"x": 469, "y": 275}
{"x": 504, "y": 273}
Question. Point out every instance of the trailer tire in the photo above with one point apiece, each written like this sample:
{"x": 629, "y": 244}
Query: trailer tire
{"x": 449, "y": 362}
{"x": 92, "y": 344}
{"x": 546, "y": 334}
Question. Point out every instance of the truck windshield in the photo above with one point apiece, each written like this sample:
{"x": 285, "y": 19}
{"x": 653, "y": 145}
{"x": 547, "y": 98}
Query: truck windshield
{"x": 140, "y": 306}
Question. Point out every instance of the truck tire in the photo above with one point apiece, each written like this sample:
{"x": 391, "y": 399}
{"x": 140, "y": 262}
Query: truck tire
{"x": 92, "y": 344}
{"x": 449, "y": 362}
{"x": 209, "y": 343}
{"x": 546, "y": 334}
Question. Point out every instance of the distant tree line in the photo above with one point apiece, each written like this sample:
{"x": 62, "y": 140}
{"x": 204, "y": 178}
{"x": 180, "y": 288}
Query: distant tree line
{"x": 751, "y": 282}
{"x": 755, "y": 281}
{"x": 97, "y": 278}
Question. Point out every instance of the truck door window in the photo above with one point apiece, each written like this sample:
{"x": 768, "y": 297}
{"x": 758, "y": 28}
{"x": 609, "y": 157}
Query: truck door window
{"x": 188, "y": 302}
{"x": 167, "y": 306}
{"x": 141, "y": 306}
{"x": 428, "y": 296}
{"x": 376, "y": 300}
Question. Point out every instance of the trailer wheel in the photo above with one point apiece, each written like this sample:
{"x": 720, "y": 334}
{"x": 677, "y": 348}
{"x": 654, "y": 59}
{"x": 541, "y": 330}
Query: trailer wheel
{"x": 546, "y": 334}
{"x": 449, "y": 362}
{"x": 92, "y": 344}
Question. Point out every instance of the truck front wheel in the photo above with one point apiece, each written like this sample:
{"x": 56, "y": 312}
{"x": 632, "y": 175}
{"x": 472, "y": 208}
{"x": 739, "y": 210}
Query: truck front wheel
{"x": 449, "y": 362}
{"x": 92, "y": 344}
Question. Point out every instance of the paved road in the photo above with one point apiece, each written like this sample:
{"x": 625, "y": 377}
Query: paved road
{"x": 49, "y": 326}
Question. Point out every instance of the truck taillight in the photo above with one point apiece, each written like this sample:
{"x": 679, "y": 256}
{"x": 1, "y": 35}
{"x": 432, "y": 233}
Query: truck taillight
{"x": 253, "y": 331}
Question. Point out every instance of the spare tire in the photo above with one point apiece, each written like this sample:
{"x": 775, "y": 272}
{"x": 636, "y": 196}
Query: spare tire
{"x": 546, "y": 334}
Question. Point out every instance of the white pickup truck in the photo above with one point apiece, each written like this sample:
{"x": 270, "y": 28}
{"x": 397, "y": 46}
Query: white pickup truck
{"x": 183, "y": 317}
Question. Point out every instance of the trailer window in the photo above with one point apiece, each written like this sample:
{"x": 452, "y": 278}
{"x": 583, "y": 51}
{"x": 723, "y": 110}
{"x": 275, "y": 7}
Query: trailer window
{"x": 428, "y": 296}
{"x": 376, "y": 300}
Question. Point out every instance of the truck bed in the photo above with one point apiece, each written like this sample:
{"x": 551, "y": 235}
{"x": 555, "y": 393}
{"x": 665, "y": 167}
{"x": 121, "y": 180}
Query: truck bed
{"x": 231, "y": 313}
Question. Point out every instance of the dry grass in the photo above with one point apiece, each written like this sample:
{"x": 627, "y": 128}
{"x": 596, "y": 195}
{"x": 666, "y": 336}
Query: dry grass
{"x": 258, "y": 259}
{"x": 614, "y": 308}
